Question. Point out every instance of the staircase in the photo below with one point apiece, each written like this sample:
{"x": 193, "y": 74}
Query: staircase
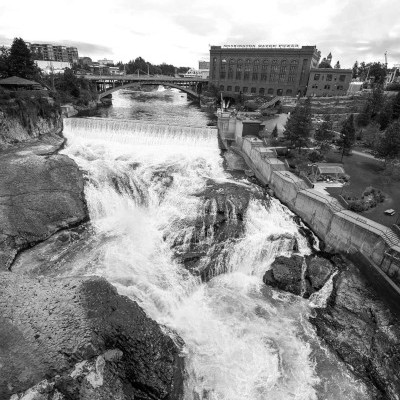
{"x": 391, "y": 237}
{"x": 272, "y": 102}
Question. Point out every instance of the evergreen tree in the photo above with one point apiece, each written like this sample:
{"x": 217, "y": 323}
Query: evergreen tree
{"x": 385, "y": 115}
{"x": 364, "y": 118}
{"x": 371, "y": 134}
{"x": 324, "y": 135}
{"x": 4, "y": 55}
{"x": 347, "y": 136}
{"x": 337, "y": 65}
{"x": 274, "y": 133}
{"x": 20, "y": 61}
{"x": 355, "y": 70}
{"x": 389, "y": 144}
{"x": 298, "y": 126}
{"x": 396, "y": 107}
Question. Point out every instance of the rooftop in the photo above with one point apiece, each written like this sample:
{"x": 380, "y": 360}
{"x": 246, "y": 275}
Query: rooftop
{"x": 17, "y": 81}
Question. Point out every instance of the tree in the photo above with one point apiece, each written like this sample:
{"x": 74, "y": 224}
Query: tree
{"x": 378, "y": 72}
{"x": 347, "y": 136}
{"x": 384, "y": 117}
{"x": 337, "y": 65}
{"x": 388, "y": 146}
{"x": 4, "y": 55}
{"x": 377, "y": 100}
{"x": 298, "y": 126}
{"x": 20, "y": 61}
{"x": 371, "y": 135}
{"x": 274, "y": 133}
{"x": 364, "y": 118}
{"x": 355, "y": 70}
{"x": 396, "y": 107}
{"x": 324, "y": 135}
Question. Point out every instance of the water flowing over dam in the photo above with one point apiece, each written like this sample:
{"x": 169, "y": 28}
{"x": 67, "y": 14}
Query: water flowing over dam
{"x": 169, "y": 231}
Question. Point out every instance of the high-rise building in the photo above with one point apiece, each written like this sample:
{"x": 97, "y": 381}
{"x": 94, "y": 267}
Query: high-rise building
{"x": 73, "y": 55}
{"x": 43, "y": 51}
{"x": 50, "y": 52}
{"x": 277, "y": 70}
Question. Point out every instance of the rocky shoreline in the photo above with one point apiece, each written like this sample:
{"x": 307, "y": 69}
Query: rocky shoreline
{"x": 355, "y": 322}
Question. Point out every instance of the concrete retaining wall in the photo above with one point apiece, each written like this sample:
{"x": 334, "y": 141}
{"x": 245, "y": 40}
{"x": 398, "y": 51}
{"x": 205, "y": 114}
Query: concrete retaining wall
{"x": 341, "y": 229}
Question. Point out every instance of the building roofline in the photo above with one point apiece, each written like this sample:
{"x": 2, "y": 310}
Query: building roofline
{"x": 331, "y": 70}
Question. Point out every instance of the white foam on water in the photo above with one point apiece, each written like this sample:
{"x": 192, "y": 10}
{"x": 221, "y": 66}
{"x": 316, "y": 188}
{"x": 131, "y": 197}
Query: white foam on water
{"x": 242, "y": 341}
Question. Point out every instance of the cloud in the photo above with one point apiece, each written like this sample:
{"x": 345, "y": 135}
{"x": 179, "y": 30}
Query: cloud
{"x": 195, "y": 24}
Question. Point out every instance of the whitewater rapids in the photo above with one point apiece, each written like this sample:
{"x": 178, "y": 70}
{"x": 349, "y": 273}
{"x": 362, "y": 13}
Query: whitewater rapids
{"x": 243, "y": 340}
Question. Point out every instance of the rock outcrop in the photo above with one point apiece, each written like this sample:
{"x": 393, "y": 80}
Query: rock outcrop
{"x": 218, "y": 225}
{"x": 363, "y": 331}
{"x": 28, "y": 117}
{"x": 78, "y": 338}
{"x": 40, "y": 193}
{"x": 298, "y": 275}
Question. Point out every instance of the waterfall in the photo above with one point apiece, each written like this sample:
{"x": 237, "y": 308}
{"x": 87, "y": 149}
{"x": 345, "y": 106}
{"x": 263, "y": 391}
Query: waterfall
{"x": 136, "y": 132}
{"x": 243, "y": 340}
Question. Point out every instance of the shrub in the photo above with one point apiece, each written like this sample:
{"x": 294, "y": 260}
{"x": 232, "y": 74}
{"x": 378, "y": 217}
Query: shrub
{"x": 315, "y": 156}
{"x": 356, "y": 205}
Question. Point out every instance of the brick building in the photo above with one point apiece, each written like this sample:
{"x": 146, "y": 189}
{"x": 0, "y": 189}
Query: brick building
{"x": 329, "y": 82}
{"x": 280, "y": 70}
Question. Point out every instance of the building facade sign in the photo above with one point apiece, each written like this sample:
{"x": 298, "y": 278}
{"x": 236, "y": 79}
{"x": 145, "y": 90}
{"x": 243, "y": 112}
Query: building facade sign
{"x": 262, "y": 46}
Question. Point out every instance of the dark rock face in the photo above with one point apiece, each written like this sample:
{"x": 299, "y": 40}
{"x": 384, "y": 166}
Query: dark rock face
{"x": 363, "y": 332}
{"x": 286, "y": 274}
{"x": 298, "y": 275}
{"x": 41, "y": 193}
{"x": 52, "y": 327}
{"x": 319, "y": 271}
{"x": 216, "y": 228}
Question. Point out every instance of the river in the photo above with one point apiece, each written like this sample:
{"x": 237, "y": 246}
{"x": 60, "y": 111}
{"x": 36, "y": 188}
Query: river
{"x": 145, "y": 176}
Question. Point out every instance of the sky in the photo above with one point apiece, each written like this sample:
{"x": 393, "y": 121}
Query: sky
{"x": 179, "y": 32}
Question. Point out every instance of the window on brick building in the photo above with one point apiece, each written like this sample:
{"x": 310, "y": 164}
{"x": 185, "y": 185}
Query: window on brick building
{"x": 239, "y": 67}
{"x": 253, "y": 90}
{"x": 289, "y": 92}
{"x": 316, "y": 77}
{"x": 229, "y": 89}
{"x": 245, "y": 89}
{"x": 261, "y": 91}
{"x": 230, "y": 68}
{"x": 342, "y": 78}
{"x": 329, "y": 77}
{"x": 237, "y": 89}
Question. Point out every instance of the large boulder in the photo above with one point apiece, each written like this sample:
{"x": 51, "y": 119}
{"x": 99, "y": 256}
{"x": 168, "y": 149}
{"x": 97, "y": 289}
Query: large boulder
{"x": 287, "y": 273}
{"x": 298, "y": 275}
{"x": 60, "y": 329}
{"x": 362, "y": 330}
{"x": 319, "y": 271}
{"x": 41, "y": 193}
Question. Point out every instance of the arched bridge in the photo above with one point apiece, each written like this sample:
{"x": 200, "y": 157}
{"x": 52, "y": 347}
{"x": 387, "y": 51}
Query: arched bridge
{"x": 109, "y": 84}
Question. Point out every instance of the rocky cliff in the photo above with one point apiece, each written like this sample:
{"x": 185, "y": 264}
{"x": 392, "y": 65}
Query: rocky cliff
{"x": 27, "y": 117}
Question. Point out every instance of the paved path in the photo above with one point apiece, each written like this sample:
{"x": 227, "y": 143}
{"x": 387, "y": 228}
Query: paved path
{"x": 359, "y": 153}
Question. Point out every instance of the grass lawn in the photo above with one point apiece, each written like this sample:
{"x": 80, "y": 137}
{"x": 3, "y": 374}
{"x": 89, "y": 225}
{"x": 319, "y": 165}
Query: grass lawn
{"x": 366, "y": 172}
